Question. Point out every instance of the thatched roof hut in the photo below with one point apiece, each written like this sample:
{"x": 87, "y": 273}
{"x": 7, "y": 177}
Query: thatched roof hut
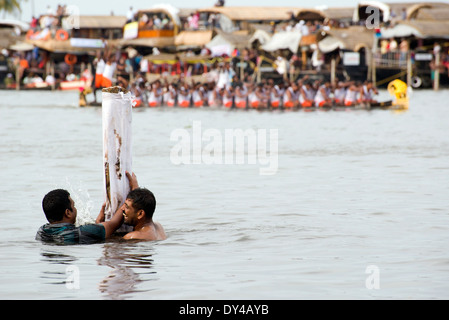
{"x": 423, "y": 29}
{"x": 189, "y": 39}
{"x": 159, "y": 42}
{"x": 225, "y": 43}
{"x": 429, "y": 11}
{"x": 252, "y": 14}
{"x": 310, "y": 14}
{"x": 353, "y": 38}
{"x": 102, "y": 22}
{"x": 339, "y": 13}
{"x": 389, "y": 11}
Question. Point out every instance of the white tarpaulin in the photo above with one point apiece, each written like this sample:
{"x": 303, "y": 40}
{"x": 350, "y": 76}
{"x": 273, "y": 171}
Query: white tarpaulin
{"x": 219, "y": 46}
{"x": 399, "y": 31}
{"x": 117, "y": 157}
{"x": 330, "y": 44}
{"x": 260, "y": 35}
{"x": 283, "y": 40}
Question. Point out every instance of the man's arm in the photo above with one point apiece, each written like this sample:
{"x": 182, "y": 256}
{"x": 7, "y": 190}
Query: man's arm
{"x": 117, "y": 219}
{"x": 112, "y": 225}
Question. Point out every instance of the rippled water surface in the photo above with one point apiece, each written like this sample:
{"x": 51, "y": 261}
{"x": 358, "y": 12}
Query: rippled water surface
{"x": 354, "y": 190}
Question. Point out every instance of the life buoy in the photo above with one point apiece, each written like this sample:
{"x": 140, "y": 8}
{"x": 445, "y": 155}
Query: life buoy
{"x": 61, "y": 35}
{"x": 70, "y": 59}
{"x": 416, "y": 82}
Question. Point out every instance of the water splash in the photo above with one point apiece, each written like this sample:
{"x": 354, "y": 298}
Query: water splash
{"x": 83, "y": 203}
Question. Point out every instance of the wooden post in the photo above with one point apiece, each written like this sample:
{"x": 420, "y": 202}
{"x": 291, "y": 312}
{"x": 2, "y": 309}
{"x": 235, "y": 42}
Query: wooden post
{"x": 373, "y": 68}
{"x": 409, "y": 69}
{"x": 333, "y": 71}
{"x": 304, "y": 59}
{"x": 18, "y": 78}
{"x": 242, "y": 70}
{"x": 436, "y": 83}
{"x": 53, "y": 85}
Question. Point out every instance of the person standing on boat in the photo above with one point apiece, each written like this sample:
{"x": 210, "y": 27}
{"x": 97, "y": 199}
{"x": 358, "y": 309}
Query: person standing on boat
{"x": 99, "y": 65}
{"x": 225, "y": 75}
{"x": 109, "y": 70}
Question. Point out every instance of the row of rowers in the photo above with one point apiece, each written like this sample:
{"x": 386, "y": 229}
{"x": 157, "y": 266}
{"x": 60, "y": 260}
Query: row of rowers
{"x": 300, "y": 94}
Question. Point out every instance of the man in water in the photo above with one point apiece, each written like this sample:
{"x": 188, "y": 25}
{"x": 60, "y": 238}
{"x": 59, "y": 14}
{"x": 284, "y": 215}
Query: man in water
{"x": 138, "y": 212}
{"x": 60, "y": 211}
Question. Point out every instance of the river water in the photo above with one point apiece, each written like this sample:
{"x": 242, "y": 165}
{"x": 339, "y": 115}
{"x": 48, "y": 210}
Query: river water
{"x": 358, "y": 207}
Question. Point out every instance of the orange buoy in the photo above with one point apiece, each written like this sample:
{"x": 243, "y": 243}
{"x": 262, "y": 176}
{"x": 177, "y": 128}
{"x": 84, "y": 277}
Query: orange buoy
{"x": 70, "y": 59}
{"x": 61, "y": 35}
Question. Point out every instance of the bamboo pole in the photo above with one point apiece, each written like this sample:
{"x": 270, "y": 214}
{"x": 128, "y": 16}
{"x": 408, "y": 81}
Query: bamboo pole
{"x": 436, "y": 84}
{"x": 53, "y": 85}
{"x": 333, "y": 71}
{"x": 409, "y": 69}
{"x": 18, "y": 78}
{"x": 242, "y": 70}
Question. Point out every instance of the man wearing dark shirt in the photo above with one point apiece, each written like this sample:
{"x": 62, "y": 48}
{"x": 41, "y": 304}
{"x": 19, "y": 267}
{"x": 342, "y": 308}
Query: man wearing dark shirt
{"x": 59, "y": 208}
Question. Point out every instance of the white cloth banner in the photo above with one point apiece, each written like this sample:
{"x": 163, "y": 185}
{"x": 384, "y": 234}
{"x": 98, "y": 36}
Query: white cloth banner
{"x": 117, "y": 151}
{"x": 283, "y": 40}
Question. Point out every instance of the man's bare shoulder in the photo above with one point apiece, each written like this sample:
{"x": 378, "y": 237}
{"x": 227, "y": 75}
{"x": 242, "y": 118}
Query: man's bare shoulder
{"x": 153, "y": 234}
{"x": 131, "y": 235}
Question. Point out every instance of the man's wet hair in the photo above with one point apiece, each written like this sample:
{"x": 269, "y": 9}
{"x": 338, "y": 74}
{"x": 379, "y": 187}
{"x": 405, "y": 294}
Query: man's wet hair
{"x": 55, "y": 203}
{"x": 143, "y": 199}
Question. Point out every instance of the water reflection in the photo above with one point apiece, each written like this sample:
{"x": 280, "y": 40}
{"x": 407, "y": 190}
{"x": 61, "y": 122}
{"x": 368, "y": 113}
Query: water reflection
{"x": 131, "y": 264}
{"x": 55, "y": 255}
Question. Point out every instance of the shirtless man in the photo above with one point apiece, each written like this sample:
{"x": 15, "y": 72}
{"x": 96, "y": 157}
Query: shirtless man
{"x": 138, "y": 212}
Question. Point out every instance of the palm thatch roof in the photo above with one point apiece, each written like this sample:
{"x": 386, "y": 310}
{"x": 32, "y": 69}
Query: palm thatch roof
{"x": 425, "y": 29}
{"x": 172, "y": 58}
{"x": 427, "y": 11}
{"x": 394, "y": 7}
{"x": 70, "y": 46}
{"x": 194, "y": 38}
{"x": 254, "y": 13}
{"x": 340, "y": 13}
{"x": 102, "y": 22}
{"x": 310, "y": 14}
{"x": 353, "y": 38}
{"x": 159, "y": 42}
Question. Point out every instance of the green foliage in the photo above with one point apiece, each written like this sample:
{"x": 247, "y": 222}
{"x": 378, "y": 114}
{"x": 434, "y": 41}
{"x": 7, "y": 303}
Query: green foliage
{"x": 9, "y": 6}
